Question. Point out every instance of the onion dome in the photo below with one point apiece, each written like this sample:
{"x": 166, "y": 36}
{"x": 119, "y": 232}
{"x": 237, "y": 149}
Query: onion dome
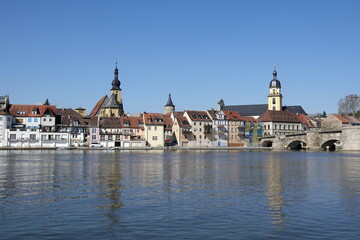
{"x": 116, "y": 83}
{"x": 275, "y": 82}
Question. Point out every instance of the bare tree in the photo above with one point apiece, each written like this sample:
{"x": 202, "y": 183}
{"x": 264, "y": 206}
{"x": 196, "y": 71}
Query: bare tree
{"x": 349, "y": 105}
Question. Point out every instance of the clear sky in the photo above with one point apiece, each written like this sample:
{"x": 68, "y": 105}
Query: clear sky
{"x": 197, "y": 50}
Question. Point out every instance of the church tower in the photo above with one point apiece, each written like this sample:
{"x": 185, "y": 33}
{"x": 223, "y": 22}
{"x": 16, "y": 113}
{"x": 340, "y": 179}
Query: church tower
{"x": 169, "y": 107}
{"x": 116, "y": 90}
{"x": 113, "y": 106}
{"x": 275, "y": 96}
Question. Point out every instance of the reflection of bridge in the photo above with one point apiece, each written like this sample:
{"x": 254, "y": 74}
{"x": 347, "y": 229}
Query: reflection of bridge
{"x": 347, "y": 138}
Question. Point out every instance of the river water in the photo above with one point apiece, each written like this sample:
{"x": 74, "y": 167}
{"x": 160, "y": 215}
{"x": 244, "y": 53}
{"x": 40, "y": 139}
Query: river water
{"x": 179, "y": 195}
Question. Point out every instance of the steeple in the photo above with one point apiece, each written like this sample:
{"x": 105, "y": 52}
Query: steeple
{"x": 275, "y": 96}
{"x": 116, "y": 83}
{"x": 169, "y": 102}
{"x": 169, "y": 107}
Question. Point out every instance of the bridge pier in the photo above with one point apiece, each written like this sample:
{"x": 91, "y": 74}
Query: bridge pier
{"x": 351, "y": 138}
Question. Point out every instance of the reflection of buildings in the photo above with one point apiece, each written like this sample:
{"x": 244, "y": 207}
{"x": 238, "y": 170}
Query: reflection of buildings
{"x": 110, "y": 178}
{"x": 275, "y": 196}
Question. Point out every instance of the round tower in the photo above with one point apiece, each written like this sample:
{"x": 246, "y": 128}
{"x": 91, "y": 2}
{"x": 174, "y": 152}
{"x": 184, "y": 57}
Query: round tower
{"x": 169, "y": 107}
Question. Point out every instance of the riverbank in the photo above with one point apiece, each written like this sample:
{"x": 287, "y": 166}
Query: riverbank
{"x": 172, "y": 148}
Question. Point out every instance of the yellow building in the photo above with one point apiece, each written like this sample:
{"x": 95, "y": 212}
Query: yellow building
{"x": 275, "y": 96}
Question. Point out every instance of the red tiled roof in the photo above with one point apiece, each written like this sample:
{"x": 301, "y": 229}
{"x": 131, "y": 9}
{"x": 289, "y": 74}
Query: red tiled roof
{"x": 278, "y": 116}
{"x": 305, "y": 120}
{"x": 19, "y": 110}
{"x": 183, "y": 122}
{"x": 154, "y": 119}
{"x": 132, "y": 122}
{"x": 199, "y": 116}
{"x": 97, "y": 106}
{"x": 342, "y": 119}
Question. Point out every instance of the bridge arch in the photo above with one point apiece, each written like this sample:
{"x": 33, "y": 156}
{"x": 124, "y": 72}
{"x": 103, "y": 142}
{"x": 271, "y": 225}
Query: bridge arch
{"x": 297, "y": 145}
{"x": 329, "y": 145}
{"x": 267, "y": 143}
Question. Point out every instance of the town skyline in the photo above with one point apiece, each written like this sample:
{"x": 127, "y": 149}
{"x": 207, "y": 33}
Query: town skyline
{"x": 199, "y": 52}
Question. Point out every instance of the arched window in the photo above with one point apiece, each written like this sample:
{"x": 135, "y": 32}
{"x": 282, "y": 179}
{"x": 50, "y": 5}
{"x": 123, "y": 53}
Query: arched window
{"x": 274, "y": 100}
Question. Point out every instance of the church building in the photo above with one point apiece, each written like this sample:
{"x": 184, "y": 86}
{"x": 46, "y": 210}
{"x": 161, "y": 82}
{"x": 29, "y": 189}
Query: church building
{"x": 110, "y": 106}
{"x": 275, "y": 103}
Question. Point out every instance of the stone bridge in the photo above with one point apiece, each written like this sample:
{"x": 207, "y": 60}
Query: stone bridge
{"x": 347, "y": 138}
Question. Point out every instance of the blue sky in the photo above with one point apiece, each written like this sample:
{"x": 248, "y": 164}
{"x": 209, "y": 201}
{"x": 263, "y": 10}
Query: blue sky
{"x": 199, "y": 51}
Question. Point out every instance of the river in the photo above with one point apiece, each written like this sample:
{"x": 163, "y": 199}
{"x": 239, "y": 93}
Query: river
{"x": 100, "y": 194}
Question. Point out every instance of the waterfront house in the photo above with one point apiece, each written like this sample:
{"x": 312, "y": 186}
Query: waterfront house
{"x": 181, "y": 129}
{"x": 34, "y": 116}
{"x": 155, "y": 126}
{"x": 69, "y": 120}
{"x": 279, "y": 123}
{"x": 220, "y": 128}
{"x": 236, "y": 129}
{"x": 201, "y": 128}
{"x": 132, "y": 131}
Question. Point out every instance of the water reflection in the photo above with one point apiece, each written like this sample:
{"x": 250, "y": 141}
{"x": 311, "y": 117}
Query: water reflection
{"x": 165, "y": 195}
{"x": 274, "y": 192}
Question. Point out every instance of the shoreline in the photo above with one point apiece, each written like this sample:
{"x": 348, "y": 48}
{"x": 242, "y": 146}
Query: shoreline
{"x": 172, "y": 148}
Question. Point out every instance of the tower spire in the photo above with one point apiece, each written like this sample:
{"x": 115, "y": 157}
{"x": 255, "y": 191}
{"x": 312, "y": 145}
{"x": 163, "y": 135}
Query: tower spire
{"x": 169, "y": 107}
{"x": 116, "y": 83}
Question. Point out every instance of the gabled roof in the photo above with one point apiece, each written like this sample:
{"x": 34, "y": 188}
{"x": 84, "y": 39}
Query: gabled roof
{"x": 258, "y": 109}
{"x": 306, "y": 120}
{"x": 98, "y": 105}
{"x": 352, "y": 120}
{"x": 131, "y": 122}
{"x": 278, "y": 116}
{"x": 198, "y": 116}
{"x": 112, "y": 103}
{"x": 109, "y": 122}
{"x": 154, "y": 119}
{"x": 19, "y": 110}
{"x": 342, "y": 119}
{"x": 67, "y": 117}
{"x": 183, "y": 122}
{"x": 233, "y": 115}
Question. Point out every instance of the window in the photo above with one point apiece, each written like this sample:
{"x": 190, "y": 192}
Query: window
{"x": 44, "y": 119}
{"x": 93, "y": 137}
{"x": 12, "y": 136}
{"x": 274, "y": 101}
{"x": 194, "y": 123}
{"x": 50, "y": 120}
{"x": 117, "y": 137}
{"x": 102, "y": 137}
{"x": 149, "y": 127}
{"x": 93, "y": 130}
{"x": 29, "y": 119}
{"x": 154, "y": 138}
{"x": 155, "y": 128}
{"x": 1, "y": 118}
{"x": 35, "y": 120}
